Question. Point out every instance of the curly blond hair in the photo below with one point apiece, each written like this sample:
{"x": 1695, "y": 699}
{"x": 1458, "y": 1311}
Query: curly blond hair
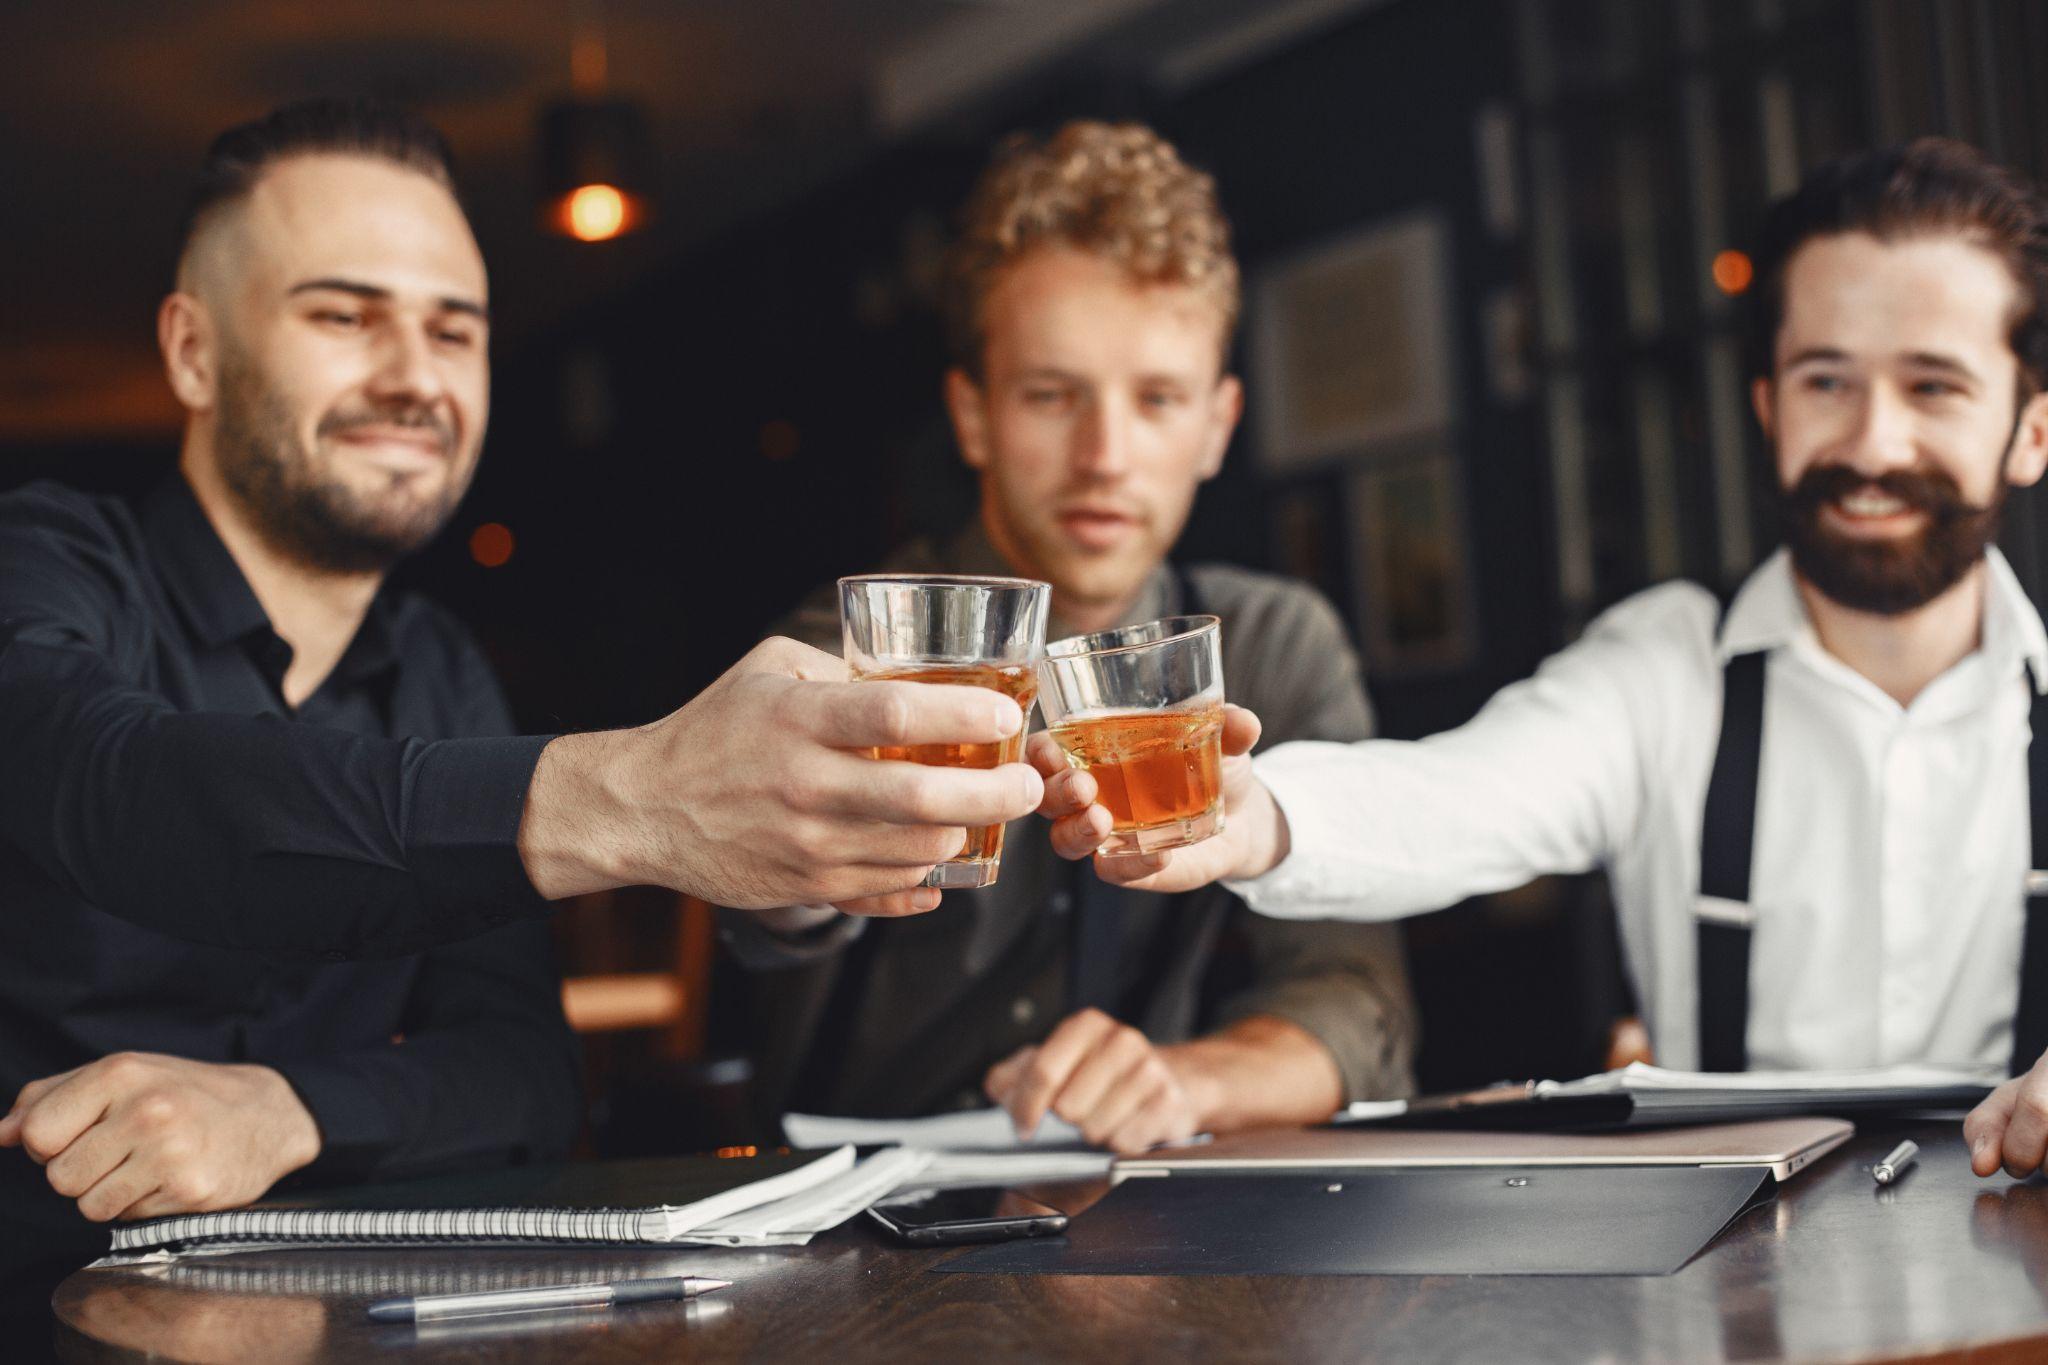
{"x": 1118, "y": 190}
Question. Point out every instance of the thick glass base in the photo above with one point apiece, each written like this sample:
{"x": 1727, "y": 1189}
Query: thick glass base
{"x": 1173, "y": 834}
{"x": 962, "y": 875}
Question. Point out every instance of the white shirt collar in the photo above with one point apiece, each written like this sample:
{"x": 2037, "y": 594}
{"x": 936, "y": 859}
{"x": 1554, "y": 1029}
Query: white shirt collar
{"x": 1767, "y": 613}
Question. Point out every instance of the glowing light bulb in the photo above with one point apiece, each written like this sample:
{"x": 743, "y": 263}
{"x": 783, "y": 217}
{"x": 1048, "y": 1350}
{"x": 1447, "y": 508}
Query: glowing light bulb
{"x": 596, "y": 213}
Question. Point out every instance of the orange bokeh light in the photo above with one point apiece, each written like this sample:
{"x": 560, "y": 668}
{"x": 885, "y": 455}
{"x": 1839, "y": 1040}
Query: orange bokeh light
{"x": 1732, "y": 272}
{"x": 595, "y": 213}
{"x": 491, "y": 544}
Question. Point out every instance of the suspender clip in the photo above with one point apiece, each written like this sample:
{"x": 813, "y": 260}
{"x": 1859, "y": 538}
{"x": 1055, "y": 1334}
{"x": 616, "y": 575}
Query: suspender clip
{"x": 1741, "y": 914}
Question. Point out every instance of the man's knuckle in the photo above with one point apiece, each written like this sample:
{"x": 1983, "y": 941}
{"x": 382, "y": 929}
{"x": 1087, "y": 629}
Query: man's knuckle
{"x": 894, "y": 716}
{"x": 156, "y": 1112}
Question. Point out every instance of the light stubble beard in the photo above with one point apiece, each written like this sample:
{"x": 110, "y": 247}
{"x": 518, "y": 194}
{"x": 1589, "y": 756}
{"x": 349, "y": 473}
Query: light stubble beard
{"x": 322, "y": 524}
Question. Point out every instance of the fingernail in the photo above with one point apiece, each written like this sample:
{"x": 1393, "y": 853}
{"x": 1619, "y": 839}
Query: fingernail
{"x": 1009, "y": 719}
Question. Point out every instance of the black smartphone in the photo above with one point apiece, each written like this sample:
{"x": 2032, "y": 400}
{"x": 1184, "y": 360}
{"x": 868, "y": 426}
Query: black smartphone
{"x": 981, "y": 1214}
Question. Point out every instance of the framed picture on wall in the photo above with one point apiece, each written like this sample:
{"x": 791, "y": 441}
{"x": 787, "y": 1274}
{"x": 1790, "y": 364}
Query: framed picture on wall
{"x": 1411, "y": 565}
{"x": 1350, "y": 344}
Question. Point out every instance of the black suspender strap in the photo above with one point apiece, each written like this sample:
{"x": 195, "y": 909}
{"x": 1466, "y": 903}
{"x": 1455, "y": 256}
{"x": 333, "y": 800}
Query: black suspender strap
{"x": 1727, "y": 844}
{"x": 2030, "y": 1021}
{"x": 1095, "y": 963}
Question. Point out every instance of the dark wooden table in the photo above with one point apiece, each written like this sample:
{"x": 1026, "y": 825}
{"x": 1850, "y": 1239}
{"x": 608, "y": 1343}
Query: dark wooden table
{"x": 1940, "y": 1265}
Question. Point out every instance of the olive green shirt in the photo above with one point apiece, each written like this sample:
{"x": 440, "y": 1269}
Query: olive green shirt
{"x": 899, "y": 1017}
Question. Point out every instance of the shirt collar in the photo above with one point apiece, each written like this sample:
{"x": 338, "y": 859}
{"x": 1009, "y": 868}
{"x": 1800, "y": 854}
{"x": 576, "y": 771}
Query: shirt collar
{"x": 209, "y": 588}
{"x": 196, "y": 568}
{"x": 971, "y": 551}
{"x": 1767, "y": 612}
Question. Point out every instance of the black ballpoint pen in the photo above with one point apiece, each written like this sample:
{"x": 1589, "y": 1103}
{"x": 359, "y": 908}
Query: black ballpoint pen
{"x": 438, "y": 1307}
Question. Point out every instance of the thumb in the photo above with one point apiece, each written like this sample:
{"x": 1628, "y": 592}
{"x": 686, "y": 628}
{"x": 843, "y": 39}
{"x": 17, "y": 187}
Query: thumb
{"x": 10, "y": 1130}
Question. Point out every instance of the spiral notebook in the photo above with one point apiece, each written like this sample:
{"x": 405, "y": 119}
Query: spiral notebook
{"x": 645, "y": 1202}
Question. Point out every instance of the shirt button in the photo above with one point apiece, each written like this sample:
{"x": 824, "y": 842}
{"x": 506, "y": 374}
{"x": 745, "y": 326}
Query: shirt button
{"x": 1022, "y": 1011}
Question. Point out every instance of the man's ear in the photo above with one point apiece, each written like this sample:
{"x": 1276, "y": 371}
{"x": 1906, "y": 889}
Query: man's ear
{"x": 1761, "y": 394}
{"x": 185, "y": 334}
{"x": 970, "y": 417}
{"x": 2029, "y": 453}
{"x": 1226, "y": 405}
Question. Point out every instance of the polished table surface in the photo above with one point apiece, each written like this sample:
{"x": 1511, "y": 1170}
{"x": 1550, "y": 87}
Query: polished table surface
{"x": 1939, "y": 1265}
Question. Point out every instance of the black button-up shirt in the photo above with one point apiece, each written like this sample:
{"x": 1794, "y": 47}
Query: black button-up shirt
{"x": 189, "y": 866}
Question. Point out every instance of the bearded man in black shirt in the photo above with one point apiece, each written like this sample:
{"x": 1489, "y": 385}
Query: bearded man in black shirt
{"x": 273, "y": 868}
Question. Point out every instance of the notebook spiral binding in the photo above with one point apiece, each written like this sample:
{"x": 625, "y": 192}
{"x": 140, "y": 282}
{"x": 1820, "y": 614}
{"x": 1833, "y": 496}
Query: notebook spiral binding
{"x": 386, "y": 1226}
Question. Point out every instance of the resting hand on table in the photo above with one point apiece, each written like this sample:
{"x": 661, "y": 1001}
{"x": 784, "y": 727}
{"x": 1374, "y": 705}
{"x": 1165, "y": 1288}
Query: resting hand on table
{"x": 141, "y": 1135}
{"x": 758, "y": 793}
{"x": 1104, "y": 1077}
{"x": 1253, "y": 841}
{"x": 2010, "y": 1128}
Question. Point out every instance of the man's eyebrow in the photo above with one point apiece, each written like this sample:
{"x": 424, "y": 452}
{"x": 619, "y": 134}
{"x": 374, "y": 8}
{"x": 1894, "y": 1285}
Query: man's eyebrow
{"x": 1935, "y": 360}
{"x": 1813, "y": 353}
{"x": 377, "y": 293}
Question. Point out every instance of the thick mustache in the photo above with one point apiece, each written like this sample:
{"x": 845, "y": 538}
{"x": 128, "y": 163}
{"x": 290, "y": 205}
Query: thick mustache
{"x": 1922, "y": 490}
{"x": 425, "y": 419}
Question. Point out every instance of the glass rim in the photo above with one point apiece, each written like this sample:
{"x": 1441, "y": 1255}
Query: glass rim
{"x": 1078, "y": 647}
{"x": 946, "y": 580}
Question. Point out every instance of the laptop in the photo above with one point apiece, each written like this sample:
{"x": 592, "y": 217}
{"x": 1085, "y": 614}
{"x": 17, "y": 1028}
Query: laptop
{"x": 1785, "y": 1145}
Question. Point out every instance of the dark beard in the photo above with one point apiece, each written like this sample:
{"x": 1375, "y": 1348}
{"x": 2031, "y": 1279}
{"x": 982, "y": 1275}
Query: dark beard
{"x": 321, "y": 524}
{"x": 1887, "y": 577}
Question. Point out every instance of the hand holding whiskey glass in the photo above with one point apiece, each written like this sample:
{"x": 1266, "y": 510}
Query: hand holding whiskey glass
{"x": 1141, "y": 709}
{"x": 954, "y": 629}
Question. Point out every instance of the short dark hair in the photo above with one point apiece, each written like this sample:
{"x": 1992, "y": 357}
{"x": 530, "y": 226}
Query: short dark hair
{"x": 1927, "y": 186}
{"x": 361, "y": 127}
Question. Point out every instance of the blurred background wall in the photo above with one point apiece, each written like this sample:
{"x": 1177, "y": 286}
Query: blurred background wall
{"x": 1492, "y": 250}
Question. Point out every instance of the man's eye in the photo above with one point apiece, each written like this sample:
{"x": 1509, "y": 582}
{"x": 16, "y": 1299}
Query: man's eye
{"x": 1159, "y": 400}
{"x": 1824, "y": 383}
{"x": 1045, "y": 398}
{"x": 1935, "y": 388}
{"x": 338, "y": 318}
{"x": 455, "y": 336}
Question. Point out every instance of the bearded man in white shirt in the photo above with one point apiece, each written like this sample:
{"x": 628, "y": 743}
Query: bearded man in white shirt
{"x": 1814, "y": 807}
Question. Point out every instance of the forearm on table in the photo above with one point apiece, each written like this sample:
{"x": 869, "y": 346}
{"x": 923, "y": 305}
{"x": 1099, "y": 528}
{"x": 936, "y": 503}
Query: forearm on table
{"x": 1260, "y": 1072}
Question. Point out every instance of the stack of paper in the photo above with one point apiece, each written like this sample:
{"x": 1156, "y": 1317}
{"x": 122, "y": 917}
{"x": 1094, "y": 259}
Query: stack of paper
{"x": 976, "y": 1147}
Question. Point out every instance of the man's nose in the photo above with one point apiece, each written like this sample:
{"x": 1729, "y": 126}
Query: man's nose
{"x": 1102, "y": 441}
{"x": 1883, "y": 439}
{"x": 405, "y": 367}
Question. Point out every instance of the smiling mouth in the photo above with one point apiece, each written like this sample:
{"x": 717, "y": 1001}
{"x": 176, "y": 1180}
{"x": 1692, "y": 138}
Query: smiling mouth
{"x": 397, "y": 448}
{"x": 1870, "y": 510}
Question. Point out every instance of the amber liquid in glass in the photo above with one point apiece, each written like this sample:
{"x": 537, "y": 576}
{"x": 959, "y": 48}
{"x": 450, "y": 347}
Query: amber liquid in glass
{"x": 1015, "y": 681}
{"x": 1160, "y": 774}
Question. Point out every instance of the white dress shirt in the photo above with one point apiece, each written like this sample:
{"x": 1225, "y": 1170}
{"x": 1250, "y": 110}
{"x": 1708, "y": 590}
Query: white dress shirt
{"x": 1892, "y": 843}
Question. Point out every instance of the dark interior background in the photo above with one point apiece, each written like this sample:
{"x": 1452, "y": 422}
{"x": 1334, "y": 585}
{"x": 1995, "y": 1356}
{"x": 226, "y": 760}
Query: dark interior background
{"x": 696, "y": 424}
